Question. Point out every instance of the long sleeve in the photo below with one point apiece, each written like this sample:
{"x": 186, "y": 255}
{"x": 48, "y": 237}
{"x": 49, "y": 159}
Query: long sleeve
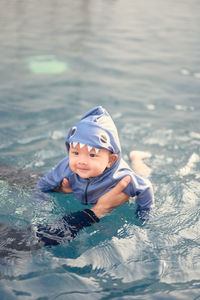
{"x": 141, "y": 187}
{"x": 54, "y": 177}
{"x": 144, "y": 192}
{"x": 50, "y": 181}
{"x": 66, "y": 228}
{"x": 36, "y": 236}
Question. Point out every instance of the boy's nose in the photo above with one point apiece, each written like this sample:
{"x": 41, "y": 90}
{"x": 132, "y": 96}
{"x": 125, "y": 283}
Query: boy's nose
{"x": 82, "y": 161}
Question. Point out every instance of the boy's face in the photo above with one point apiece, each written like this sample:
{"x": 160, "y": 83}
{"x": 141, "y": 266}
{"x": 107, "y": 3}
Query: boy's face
{"x": 89, "y": 164}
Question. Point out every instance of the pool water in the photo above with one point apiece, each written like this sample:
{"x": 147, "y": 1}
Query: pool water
{"x": 140, "y": 60}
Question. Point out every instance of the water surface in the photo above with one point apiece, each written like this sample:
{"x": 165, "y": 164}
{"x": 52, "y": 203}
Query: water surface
{"x": 140, "y": 60}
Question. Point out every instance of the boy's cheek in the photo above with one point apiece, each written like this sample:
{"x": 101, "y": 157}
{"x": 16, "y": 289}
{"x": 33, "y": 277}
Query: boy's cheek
{"x": 71, "y": 165}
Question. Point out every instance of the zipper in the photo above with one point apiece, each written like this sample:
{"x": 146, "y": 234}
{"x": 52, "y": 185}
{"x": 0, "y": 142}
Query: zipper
{"x": 86, "y": 196}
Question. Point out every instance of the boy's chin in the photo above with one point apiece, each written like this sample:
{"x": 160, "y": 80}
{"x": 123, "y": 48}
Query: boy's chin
{"x": 84, "y": 177}
{"x": 87, "y": 176}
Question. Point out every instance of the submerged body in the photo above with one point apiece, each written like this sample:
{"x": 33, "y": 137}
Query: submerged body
{"x": 94, "y": 179}
{"x": 25, "y": 178}
{"x": 15, "y": 242}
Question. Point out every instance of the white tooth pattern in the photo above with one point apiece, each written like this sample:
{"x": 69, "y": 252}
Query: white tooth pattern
{"x": 89, "y": 148}
{"x": 74, "y": 144}
{"x": 96, "y": 150}
{"x": 81, "y": 145}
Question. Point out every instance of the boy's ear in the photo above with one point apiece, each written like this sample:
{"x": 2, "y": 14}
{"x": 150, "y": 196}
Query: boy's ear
{"x": 112, "y": 159}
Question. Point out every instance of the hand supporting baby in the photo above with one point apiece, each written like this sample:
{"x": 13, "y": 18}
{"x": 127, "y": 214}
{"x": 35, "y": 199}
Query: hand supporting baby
{"x": 107, "y": 202}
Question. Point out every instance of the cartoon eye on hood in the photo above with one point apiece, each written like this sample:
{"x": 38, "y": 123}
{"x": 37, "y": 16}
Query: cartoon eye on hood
{"x": 104, "y": 138}
{"x": 96, "y": 129}
{"x": 73, "y": 131}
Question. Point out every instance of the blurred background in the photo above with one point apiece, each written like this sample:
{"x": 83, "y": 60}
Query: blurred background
{"x": 141, "y": 61}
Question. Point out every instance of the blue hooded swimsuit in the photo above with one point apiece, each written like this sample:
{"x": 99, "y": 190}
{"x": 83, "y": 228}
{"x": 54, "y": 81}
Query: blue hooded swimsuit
{"x": 97, "y": 130}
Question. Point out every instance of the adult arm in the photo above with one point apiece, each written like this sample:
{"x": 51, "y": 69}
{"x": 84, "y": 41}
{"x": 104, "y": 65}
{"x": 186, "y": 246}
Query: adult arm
{"x": 65, "y": 229}
{"x": 68, "y": 227}
{"x": 53, "y": 179}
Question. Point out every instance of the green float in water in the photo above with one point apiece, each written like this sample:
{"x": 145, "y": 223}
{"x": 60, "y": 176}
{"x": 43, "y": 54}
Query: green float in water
{"x": 46, "y": 65}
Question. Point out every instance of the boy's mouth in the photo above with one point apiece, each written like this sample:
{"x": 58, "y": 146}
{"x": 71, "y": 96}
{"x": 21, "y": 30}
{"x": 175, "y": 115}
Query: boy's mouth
{"x": 82, "y": 169}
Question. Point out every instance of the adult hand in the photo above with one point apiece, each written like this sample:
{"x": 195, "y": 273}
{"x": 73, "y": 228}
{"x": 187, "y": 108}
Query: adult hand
{"x": 112, "y": 199}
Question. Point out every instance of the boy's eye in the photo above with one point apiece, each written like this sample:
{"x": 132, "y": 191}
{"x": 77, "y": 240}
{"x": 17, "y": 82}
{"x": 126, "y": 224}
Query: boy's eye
{"x": 75, "y": 153}
{"x": 92, "y": 155}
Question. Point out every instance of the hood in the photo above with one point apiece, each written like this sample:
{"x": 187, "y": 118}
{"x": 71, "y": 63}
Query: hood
{"x": 96, "y": 129}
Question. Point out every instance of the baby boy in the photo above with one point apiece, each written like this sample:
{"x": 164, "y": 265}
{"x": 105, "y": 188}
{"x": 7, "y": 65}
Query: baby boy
{"x": 94, "y": 164}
